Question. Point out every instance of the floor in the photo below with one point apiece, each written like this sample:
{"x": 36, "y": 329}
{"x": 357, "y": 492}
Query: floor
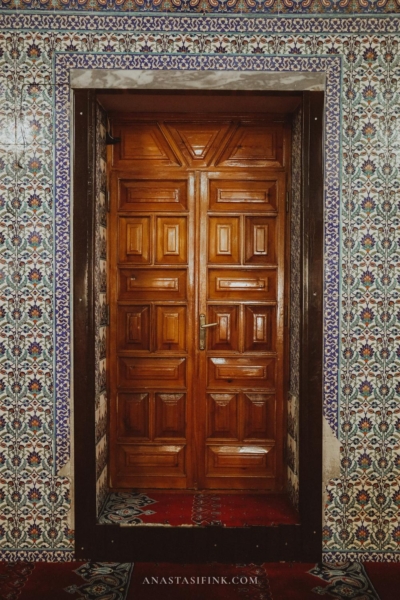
{"x": 197, "y": 509}
{"x": 214, "y": 581}
{"x": 163, "y": 581}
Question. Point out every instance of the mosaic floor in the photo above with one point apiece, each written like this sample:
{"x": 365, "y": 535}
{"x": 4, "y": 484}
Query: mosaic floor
{"x": 224, "y": 510}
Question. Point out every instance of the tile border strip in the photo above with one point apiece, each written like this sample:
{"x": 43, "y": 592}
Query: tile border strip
{"x": 199, "y": 23}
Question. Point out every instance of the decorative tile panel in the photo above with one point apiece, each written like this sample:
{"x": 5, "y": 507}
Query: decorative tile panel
{"x": 281, "y": 7}
{"x": 360, "y": 57}
{"x": 295, "y": 314}
{"x": 100, "y": 279}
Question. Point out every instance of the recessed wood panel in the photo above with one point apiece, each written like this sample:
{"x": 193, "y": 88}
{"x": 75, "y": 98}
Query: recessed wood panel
{"x": 225, "y": 335}
{"x": 171, "y": 328}
{"x": 149, "y": 460}
{"x": 133, "y": 416}
{"x": 152, "y": 284}
{"x": 153, "y": 372}
{"x": 134, "y": 327}
{"x": 222, "y": 411}
{"x": 243, "y": 372}
{"x": 239, "y": 284}
{"x": 152, "y": 194}
{"x": 134, "y": 240}
{"x": 254, "y": 146}
{"x": 171, "y": 240}
{"x": 243, "y": 195}
{"x": 224, "y": 240}
{"x": 260, "y": 242}
{"x": 259, "y": 328}
{"x": 198, "y": 142}
{"x": 259, "y": 421}
{"x": 240, "y": 461}
{"x": 170, "y": 415}
{"x": 142, "y": 145}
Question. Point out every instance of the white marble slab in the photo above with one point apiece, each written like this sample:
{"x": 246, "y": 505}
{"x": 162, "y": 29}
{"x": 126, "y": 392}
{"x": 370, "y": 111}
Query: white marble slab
{"x": 203, "y": 80}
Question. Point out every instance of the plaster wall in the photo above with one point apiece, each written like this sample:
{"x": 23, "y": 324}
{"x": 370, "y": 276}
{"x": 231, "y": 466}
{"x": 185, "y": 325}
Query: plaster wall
{"x": 359, "y": 58}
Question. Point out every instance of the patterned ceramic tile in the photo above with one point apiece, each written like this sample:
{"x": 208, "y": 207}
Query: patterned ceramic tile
{"x": 362, "y": 61}
{"x": 100, "y": 307}
{"x": 294, "y": 358}
{"x": 286, "y": 7}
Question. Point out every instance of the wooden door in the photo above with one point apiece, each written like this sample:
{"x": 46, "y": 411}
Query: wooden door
{"x": 197, "y": 237}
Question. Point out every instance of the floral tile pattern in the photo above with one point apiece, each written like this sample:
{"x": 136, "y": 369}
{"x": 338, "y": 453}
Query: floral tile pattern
{"x": 285, "y": 7}
{"x": 35, "y": 501}
{"x": 292, "y": 457}
{"x": 361, "y": 58}
{"x": 100, "y": 279}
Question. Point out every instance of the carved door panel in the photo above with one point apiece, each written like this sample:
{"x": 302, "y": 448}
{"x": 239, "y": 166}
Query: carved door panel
{"x": 241, "y": 289}
{"x": 197, "y": 238}
{"x": 150, "y": 289}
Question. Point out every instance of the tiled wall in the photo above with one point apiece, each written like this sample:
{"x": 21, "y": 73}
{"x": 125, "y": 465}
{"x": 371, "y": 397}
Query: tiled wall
{"x": 100, "y": 279}
{"x": 295, "y": 314}
{"x": 362, "y": 59}
{"x": 283, "y": 7}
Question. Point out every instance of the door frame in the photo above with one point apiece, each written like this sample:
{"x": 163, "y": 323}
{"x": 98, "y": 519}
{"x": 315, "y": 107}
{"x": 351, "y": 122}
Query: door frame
{"x": 198, "y": 544}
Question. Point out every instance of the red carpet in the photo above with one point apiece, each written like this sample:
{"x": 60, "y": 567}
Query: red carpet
{"x": 386, "y": 579}
{"x": 13, "y": 578}
{"x": 227, "y": 510}
{"x": 150, "y": 581}
{"x": 217, "y": 582}
{"x": 271, "y": 581}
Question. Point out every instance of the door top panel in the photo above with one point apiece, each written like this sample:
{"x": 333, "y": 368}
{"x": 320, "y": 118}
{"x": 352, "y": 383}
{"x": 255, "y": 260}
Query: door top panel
{"x": 225, "y": 142}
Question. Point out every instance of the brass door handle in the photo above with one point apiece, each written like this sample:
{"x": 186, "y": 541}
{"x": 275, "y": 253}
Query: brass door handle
{"x": 202, "y": 334}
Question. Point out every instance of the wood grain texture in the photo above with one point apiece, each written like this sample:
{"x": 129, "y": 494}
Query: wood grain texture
{"x": 198, "y": 211}
{"x": 150, "y": 193}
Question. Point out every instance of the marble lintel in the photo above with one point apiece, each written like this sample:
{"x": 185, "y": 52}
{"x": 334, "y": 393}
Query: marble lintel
{"x": 202, "y": 80}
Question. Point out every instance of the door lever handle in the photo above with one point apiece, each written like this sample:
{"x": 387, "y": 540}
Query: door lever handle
{"x": 202, "y": 334}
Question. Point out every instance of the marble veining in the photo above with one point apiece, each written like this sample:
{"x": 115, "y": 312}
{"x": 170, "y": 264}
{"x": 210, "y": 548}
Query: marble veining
{"x": 215, "y": 80}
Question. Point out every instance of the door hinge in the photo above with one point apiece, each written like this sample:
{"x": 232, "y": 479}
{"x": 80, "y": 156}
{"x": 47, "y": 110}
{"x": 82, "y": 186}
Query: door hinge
{"x": 287, "y": 201}
{"x": 107, "y": 199}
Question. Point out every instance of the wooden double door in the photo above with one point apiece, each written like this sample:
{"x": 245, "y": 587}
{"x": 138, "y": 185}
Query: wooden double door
{"x": 196, "y": 284}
